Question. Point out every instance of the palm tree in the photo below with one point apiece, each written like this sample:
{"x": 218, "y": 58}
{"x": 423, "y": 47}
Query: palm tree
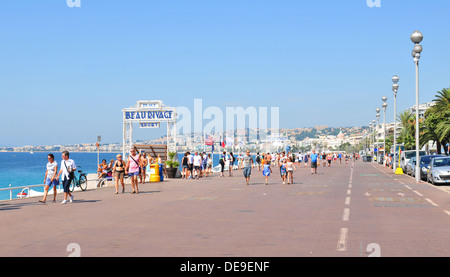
{"x": 407, "y": 133}
{"x": 429, "y": 127}
{"x": 442, "y": 110}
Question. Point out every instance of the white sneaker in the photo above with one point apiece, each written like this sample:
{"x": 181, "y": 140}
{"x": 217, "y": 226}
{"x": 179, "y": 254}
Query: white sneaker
{"x": 71, "y": 199}
{"x": 64, "y": 201}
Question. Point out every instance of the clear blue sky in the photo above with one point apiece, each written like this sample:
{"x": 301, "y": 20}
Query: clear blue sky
{"x": 66, "y": 73}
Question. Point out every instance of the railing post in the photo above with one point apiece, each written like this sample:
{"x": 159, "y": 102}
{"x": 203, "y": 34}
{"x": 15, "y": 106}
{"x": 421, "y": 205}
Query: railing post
{"x": 10, "y": 193}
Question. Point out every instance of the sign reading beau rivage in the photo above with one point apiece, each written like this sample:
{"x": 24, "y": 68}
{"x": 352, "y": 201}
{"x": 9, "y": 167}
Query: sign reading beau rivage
{"x": 149, "y": 114}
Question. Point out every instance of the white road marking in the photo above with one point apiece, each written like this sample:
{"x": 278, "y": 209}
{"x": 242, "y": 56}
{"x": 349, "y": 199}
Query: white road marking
{"x": 431, "y": 202}
{"x": 418, "y": 193}
{"x": 342, "y": 241}
{"x": 349, "y": 192}
{"x": 350, "y": 186}
{"x": 346, "y": 215}
{"x": 347, "y": 201}
{"x": 408, "y": 187}
{"x": 447, "y": 212}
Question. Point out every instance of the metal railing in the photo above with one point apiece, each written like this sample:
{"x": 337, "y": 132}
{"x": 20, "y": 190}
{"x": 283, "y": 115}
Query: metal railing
{"x": 23, "y": 189}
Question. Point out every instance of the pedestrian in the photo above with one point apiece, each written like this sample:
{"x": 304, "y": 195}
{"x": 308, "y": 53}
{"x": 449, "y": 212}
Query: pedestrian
{"x": 329, "y": 158}
{"x": 283, "y": 171}
{"x": 204, "y": 164}
{"x": 258, "y": 161}
{"x": 209, "y": 164}
{"x": 266, "y": 171}
{"x": 247, "y": 162}
{"x": 132, "y": 169}
{"x": 50, "y": 178}
{"x": 143, "y": 162}
{"x": 314, "y": 158}
{"x": 191, "y": 165}
{"x": 324, "y": 159}
{"x": 231, "y": 160}
{"x": 184, "y": 163}
{"x": 119, "y": 173}
{"x": 197, "y": 162}
{"x": 290, "y": 167}
{"x": 67, "y": 171}
{"x": 222, "y": 163}
{"x": 306, "y": 160}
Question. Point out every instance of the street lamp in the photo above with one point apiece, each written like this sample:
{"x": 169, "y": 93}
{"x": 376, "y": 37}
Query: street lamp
{"x": 376, "y": 135}
{"x": 373, "y": 137}
{"x": 384, "y": 98}
{"x": 416, "y": 38}
{"x": 395, "y": 86}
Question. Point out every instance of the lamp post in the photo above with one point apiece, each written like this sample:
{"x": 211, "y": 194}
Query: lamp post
{"x": 395, "y": 86}
{"x": 373, "y": 137}
{"x": 384, "y": 99}
{"x": 416, "y": 38}
{"x": 376, "y": 135}
{"x": 369, "y": 134}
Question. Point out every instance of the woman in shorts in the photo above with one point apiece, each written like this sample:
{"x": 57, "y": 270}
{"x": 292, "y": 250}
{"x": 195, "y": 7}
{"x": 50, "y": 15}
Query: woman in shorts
{"x": 119, "y": 172}
{"x": 290, "y": 167}
{"x": 132, "y": 168}
{"x": 209, "y": 165}
{"x": 184, "y": 163}
{"x": 50, "y": 178}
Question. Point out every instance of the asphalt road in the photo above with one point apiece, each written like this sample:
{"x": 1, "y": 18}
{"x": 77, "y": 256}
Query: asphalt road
{"x": 354, "y": 210}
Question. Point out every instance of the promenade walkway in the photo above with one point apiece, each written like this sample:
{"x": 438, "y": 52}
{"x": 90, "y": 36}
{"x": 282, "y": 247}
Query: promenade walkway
{"x": 338, "y": 212}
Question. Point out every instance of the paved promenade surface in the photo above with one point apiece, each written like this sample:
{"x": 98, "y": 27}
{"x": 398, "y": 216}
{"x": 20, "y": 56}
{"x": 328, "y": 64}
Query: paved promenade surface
{"x": 344, "y": 210}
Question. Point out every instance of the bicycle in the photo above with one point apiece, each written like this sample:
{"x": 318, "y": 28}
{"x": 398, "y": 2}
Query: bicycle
{"x": 80, "y": 181}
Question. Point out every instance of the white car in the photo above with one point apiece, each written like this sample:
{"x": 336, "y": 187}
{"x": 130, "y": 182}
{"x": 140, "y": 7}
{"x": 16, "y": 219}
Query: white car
{"x": 406, "y": 155}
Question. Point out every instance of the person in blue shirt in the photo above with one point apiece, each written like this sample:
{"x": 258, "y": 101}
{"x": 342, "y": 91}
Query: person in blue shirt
{"x": 314, "y": 158}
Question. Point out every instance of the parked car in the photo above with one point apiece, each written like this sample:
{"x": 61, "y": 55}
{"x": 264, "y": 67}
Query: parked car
{"x": 411, "y": 166}
{"x": 424, "y": 163}
{"x": 406, "y": 155}
{"x": 439, "y": 171}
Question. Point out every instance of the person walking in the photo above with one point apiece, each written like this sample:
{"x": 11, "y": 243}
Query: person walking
{"x": 231, "y": 160}
{"x": 314, "y": 158}
{"x": 290, "y": 167}
{"x": 143, "y": 162}
{"x": 197, "y": 162}
{"x": 184, "y": 163}
{"x": 266, "y": 172}
{"x": 119, "y": 173}
{"x": 209, "y": 164}
{"x": 50, "y": 178}
{"x": 67, "y": 171}
{"x": 222, "y": 163}
{"x": 132, "y": 169}
{"x": 258, "y": 161}
{"x": 247, "y": 162}
{"x": 283, "y": 171}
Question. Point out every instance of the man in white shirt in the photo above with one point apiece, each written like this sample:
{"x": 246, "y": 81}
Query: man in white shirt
{"x": 67, "y": 172}
{"x": 197, "y": 161}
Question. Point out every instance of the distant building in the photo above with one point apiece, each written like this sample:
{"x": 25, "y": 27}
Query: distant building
{"x": 422, "y": 108}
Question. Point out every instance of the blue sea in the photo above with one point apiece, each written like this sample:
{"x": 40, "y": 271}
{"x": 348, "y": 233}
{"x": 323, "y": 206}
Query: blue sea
{"x": 24, "y": 169}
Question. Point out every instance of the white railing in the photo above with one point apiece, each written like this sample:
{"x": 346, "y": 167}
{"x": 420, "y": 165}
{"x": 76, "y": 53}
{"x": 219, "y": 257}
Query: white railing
{"x": 23, "y": 189}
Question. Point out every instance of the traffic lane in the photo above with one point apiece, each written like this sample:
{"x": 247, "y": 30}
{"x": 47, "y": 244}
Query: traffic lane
{"x": 401, "y": 223}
